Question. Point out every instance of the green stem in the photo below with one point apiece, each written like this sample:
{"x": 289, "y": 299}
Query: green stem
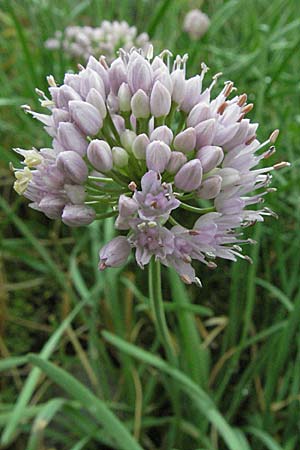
{"x": 158, "y": 311}
{"x": 195, "y": 209}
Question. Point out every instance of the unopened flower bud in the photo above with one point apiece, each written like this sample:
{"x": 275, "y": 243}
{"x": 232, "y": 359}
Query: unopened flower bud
{"x": 100, "y": 156}
{"x": 124, "y": 96}
{"x": 115, "y": 253}
{"x": 205, "y": 133}
{"x": 162, "y": 74}
{"x": 64, "y": 95}
{"x": 178, "y": 80}
{"x": 199, "y": 113}
{"x": 127, "y": 138}
{"x": 71, "y": 138}
{"x": 210, "y": 187}
{"x": 120, "y": 157}
{"x": 75, "y": 193}
{"x": 78, "y": 215}
{"x": 189, "y": 177}
{"x": 52, "y": 206}
{"x": 140, "y": 105}
{"x": 162, "y": 133}
{"x": 185, "y": 141}
{"x": 127, "y": 206}
{"x": 157, "y": 156}
{"x": 101, "y": 70}
{"x": 60, "y": 115}
{"x": 210, "y": 157}
{"x": 117, "y": 75}
{"x": 176, "y": 161}
{"x": 73, "y": 166}
{"x": 90, "y": 79}
{"x": 160, "y": 100}
{"x": 139, "y": 74}
{"x": 139, "y": 146}
{"x": 192, "y": 94}
{"x": 95, "y": 98}
{"x": 86, "y": 117}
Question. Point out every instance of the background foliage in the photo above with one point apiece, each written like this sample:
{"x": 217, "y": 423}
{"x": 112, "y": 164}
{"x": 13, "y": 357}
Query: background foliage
{"x": 102, "y": 370}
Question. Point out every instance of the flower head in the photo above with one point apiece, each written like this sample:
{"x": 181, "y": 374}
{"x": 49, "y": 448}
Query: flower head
{"x": 126, "y": 144}
{"x": 196, "y": 23}
{"x": 81, "y": 42}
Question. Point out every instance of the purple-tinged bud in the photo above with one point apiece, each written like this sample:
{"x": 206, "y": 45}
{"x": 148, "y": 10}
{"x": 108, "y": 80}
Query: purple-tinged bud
{"x": 90, "y": 79}
{"x": 205, "y": 133}
{"x": 162, "y": 133}
{"x": 78, "y": 215}
{"x": 164, "y": 77}
{"x": 73, "y": 166}
{"x": 75, "y": 193}
{"x": 157, "y": 156}
{"x": 115, "y": 253}
{"x": 127, "y": 138}
{"x": 101, "y": 70}
{"x": 72, "y": 80}
{"x": 86, "y": 117}
{"x": 117, "y": 75}
{"x": 139, "y": 74}
{"x": 160, "y": 100}
{"x": 192, "y": 95}
{"x": 127, "y": 206}
{"x": 124, "y": 96}
{"x": 178, "y": 80}
{"x": 52, "y": 206}
{"x": 60, "y": 115}
{"x": 200, "y": 112}
{"x": 100, "y": 156}
{"x": 185, "y": 141}
{"x": 210, "y": 157}
{"x": 120, "y": 157}
{"x": 140, "y": 105}
{"x": 229, "y": 176}
{"x": 139, "y": 146}
{"x": 158, "y": 63}
{"x": 176, "y": 161}
{"x": 95, "y": 98}
{"x": 71, "y": 139}
{"x": 189, "y": 177}
{"x": 119, "y": 123}
{"x": 65, "y": 95}
{"x": 210, "y": 187}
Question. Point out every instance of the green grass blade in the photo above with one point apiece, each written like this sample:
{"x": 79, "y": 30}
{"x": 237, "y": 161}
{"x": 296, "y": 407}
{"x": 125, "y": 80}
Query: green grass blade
{"x": 10, "y": 363}
{"x": 94, "y": 405}
{"x": 201, "y": 400}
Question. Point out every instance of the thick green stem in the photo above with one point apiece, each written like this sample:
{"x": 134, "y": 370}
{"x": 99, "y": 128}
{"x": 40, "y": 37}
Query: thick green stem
{"x": 158, "y": 311}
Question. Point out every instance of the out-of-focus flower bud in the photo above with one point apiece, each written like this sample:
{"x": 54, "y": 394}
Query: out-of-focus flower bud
{"x": 127, "y": 138}
{"x": 100, "y": 156}
{"x": 189, "y": 177}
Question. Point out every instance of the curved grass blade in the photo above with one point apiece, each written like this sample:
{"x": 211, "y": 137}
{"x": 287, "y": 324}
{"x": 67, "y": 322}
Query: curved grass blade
{"x": 201, "y": 400}
{"x": 96, "y": 407}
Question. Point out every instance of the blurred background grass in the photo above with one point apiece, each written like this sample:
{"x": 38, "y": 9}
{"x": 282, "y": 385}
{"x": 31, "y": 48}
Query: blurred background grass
{"x": 238, "y": 337}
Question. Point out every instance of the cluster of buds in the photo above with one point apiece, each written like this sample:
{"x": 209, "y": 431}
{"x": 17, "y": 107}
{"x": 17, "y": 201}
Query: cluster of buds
{"x": 81, "y": 42}
{"x": 138, "y": 141}
{"x": 196, "y": 24}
